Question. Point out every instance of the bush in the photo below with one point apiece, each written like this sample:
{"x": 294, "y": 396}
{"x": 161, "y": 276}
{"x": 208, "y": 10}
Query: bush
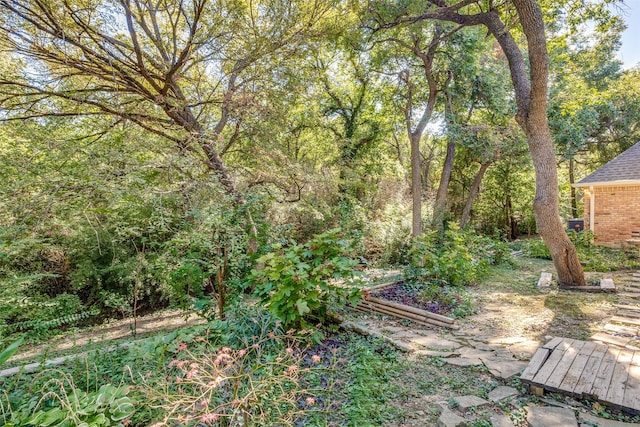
{"x": 260, "y": 384}
{"x": 204, "y": 261}
{"x": 455, "y": 257}
{"x": 536, "y": 248}
{"x": 298, "y": 282}
{"x": 593, "y": 257}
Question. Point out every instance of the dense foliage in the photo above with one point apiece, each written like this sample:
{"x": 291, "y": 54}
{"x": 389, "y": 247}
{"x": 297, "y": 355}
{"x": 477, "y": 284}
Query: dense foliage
{"x": 192, "y": 154}
{"x": 596, "y": 258}
{"x": 301, "y": 282}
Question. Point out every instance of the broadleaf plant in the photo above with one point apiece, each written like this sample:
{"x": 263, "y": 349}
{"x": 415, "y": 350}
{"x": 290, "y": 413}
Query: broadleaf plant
{"x": 299, "y": 282}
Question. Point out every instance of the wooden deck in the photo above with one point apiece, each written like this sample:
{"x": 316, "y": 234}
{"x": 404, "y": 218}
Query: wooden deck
{"x": 587, "y": 370}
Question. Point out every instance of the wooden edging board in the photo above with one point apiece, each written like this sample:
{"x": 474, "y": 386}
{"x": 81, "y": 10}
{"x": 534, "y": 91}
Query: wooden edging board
{"x": 379, "y": 305}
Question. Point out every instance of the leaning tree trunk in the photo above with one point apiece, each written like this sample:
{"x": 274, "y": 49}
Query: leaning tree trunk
{"x": 475, "y": 187}
{"x": 440, "y": 205}
{"x": 532, "y": 117}
{"x": 545, "y": 204}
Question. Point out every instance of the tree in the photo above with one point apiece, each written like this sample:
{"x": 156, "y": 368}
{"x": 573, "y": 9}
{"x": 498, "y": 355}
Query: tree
{"x": 530, "y": 88}
{"x": 186, "y": 71}
{"x": 584, "y": 70}
{"x": 427, "y": 63}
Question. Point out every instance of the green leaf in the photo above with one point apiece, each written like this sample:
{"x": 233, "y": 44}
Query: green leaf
{"x": 303, "y": 307}
{"x": 9, "y": 351}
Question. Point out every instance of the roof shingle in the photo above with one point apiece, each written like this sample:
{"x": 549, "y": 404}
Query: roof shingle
{"x": 625, "y": 167}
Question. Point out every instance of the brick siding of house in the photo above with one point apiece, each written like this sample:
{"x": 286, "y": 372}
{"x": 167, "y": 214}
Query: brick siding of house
{"x": 617, "y": 214}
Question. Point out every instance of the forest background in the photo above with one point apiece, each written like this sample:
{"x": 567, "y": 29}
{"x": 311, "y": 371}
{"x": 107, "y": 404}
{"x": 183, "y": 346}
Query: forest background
{"x": 153, "y": 152}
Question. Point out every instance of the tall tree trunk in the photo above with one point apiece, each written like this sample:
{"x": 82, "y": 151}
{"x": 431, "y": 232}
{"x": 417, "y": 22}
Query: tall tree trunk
{"x": 416, "y": 185}
{"x": 572, "y": 180}
{"x": 532, "y": 117}
{"x": 473, "y": 191}
{"x": 440, "y": 205}
{"x": 415, "y": 133}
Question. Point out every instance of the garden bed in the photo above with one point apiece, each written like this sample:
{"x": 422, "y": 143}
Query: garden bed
{"x": 405, "y": 301}
{"x": 414, "y": 296}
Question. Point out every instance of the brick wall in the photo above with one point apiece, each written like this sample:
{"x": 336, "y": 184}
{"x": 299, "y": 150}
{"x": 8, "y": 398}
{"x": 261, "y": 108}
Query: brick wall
{"x": 617, "y": 214}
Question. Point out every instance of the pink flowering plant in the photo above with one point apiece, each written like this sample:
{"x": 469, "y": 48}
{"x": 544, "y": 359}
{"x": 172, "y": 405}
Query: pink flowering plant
{"x": 252, "y": 385}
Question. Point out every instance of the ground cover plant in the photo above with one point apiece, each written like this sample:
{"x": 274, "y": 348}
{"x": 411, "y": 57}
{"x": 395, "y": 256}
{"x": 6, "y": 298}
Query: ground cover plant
{"x": 244, "y": 370}
{"x": 594, "y": 257}
{"x": 442, "y": 264}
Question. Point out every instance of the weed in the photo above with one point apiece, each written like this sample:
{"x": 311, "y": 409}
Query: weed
{"x": 249, "y": 386}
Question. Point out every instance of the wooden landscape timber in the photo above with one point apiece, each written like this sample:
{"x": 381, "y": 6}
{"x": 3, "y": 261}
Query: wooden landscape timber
{"x": 366, "y": 292}
{"x": 378, "y": 305}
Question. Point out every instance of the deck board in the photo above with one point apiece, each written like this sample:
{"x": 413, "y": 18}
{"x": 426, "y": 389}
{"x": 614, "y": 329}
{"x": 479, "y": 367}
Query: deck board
{"x": 610, "y": 339}
{"x": 544, "y": 373}
{"x": 553, "y": 343}
{"x": 626, "y": 320}
{"x": 563, "y": 366}
{"x": 588, "y": 370}
{"x": 535, "y": 364}
{"x": 588, "y": 376}
{"x": 629, "y": 313}
{"x": 627, "y": 307}
{"x": 603, "y": 378}
{"x": 619, "y": 377}
{"x": 631, "y": 397}
{"x": 570, "y": 380}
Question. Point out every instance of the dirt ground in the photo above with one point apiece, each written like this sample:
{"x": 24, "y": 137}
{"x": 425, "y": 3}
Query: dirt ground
{"x": 515, "y": 314}
{"x": 510, "y": 304}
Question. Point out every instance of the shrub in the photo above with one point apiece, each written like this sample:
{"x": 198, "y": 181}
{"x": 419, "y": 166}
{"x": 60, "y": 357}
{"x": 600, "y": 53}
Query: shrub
{"x": 593, "y": 257}
{"x": 299, "y": 282}
{"x": 205, "y": 259}
{"x": 454, "y": 257}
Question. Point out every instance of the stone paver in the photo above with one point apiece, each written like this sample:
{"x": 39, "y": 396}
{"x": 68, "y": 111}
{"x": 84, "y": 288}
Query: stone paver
{"x": 607, "y": 284}
{"x": 502, "y": 392}
{"x": 464, "y": 361}
{"x": 526, "y": 348}
{"x": 480, "y": 345}
{"x": 501, "y": 421}
{"x": 470, "y": 401}
{"x": 433, "y": 353}
{"x": 472, "y": 352}
{"x": 602, "y": 422}
{"x": 545, "y": 280}
{"x": 505, "y": 369}
{"x": 508, "y": 340}
{"x": 546, "y": 416}
{"x": 449, "y": 418}
{"x": 404, "y": 334}
{"x": 436, "y": 343}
